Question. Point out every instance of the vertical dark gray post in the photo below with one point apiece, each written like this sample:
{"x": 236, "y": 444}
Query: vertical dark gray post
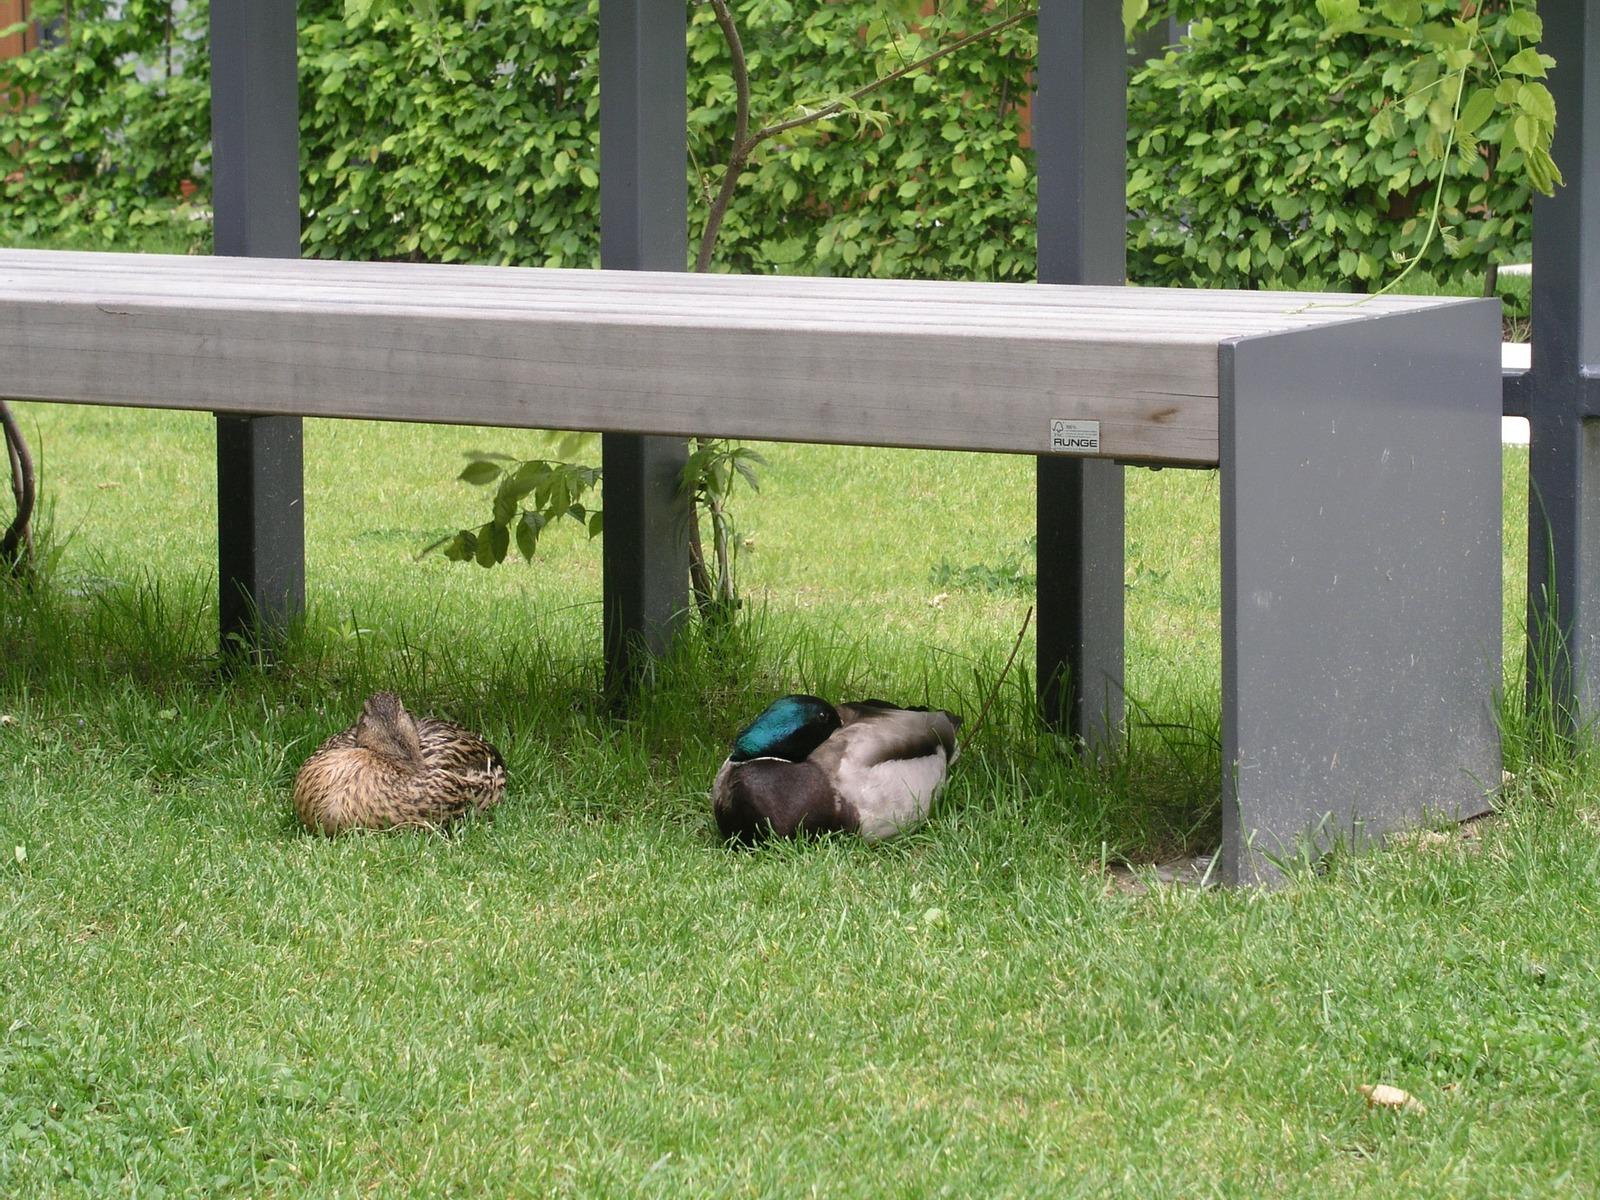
{"x": 255, "y": 146}
{"x": 1079, "y": 123}
{"x": 1153, "y": 42}
{"x": 1564, "y": 454}
{"x": 644, "y": 162}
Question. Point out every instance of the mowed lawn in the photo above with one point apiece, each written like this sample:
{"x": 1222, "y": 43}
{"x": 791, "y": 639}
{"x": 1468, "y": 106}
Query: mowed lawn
{"x": 585, "y": 994}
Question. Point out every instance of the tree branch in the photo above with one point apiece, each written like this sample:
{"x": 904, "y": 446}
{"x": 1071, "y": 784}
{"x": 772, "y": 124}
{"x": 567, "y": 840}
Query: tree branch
{"x": 18, "y": 538}
{"x": 838, "y": 106}
{"x": 741, "y": 71}
{"x": 739, "y": 154}
{"x": 744, "y": 142}
{"x": 713, "y": 596}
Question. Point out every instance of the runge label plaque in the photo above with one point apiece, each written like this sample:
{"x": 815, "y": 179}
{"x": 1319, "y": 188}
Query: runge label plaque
{"x": 1074, "y": 437}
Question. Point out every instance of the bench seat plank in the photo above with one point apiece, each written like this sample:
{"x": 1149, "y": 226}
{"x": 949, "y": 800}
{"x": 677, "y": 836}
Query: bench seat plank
{"x": 936, "y": 365}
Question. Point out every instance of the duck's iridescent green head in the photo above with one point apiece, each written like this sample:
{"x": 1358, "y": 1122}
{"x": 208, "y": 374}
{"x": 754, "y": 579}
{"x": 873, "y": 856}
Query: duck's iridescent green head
{"x": 791, "y": 727}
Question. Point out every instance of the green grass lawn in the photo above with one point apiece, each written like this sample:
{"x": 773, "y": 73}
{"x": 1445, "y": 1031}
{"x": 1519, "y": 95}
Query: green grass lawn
{"x": 585, "y": 994}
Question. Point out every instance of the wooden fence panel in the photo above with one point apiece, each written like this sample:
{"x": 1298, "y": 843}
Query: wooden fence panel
{"x": 12, "y": 11}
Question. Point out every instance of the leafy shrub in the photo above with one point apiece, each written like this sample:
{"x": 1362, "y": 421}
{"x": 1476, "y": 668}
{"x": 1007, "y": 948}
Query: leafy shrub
{"x": 1260, "y": 156}
{"x": 118, "y": 120}
{"x": 470, "y": 132}
{"x": 1269, "y": 153}
{"x": 451, "y": 139}
{"x": 477, "y": 139}
{"x": 941, "y": 187}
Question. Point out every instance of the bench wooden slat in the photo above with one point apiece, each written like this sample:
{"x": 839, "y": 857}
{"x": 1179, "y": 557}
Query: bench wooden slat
{"x": 1074, "y": 323}
{"x": 1228, "y": 313}
{"x": 896, "y": 363}
{"x": 310, "y": 271}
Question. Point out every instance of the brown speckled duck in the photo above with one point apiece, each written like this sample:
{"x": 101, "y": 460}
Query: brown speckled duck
{"x": 391, "y": 769}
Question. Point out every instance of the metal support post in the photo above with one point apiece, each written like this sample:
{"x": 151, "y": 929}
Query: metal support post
{"x": 256, "y": 202}
{"x": 644, "y": 227}
{"x": 1080, "y": 118}
{"x": 1564, "y": 451}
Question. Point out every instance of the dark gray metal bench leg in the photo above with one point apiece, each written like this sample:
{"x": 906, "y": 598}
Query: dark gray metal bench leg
{"x": 1078, "y": 123}
{"x": 1562, "y": 390}
{"x": 256, "y": 204}
{"x": 644, "y": 553}
{"x": 260, "y": 528}
{"x": 643, "y": 226}
{"x": 1079, "y": 519}
{"x": 1360, "y": 581}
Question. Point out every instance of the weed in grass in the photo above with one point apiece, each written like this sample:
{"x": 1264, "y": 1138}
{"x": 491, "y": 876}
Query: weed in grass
{"x": 1011, "y": 576}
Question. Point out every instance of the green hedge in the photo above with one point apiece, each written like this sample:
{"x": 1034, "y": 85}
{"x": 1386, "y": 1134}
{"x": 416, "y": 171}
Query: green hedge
{"x": 119, "y": 120}
{"x": 475, "y": 140}
{"x": 1253, "y": 157}
{"x": 1281, "y": 167}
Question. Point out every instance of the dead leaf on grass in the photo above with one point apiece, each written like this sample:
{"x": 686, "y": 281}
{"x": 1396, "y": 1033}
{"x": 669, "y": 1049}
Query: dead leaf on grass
{"x": 1468, "y": 834}
{"x": 1382, "y": 1095}
{"x": 1131, "y": 879}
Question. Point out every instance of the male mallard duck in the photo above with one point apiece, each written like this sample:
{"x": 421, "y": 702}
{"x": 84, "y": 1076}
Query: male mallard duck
{"x": 806, "y": 766}
{"x": 391, "y": 769}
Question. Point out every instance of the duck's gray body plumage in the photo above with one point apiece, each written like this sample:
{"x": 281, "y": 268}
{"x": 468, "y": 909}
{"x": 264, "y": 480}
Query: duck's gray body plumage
{"x": 391, "y": 769}
{"x": 864, "y": 767}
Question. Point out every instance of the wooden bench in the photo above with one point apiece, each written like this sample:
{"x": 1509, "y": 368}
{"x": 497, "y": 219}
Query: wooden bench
{"x": 1358, "y": 443}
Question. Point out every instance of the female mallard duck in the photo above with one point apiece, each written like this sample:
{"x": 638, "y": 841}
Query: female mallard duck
{"x": 391, "y": 769}
{"x": 806, "y": 766}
